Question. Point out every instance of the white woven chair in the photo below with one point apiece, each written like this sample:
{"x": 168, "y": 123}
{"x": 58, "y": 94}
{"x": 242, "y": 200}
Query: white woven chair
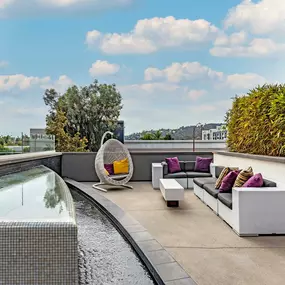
{"x": 110, "y": 151}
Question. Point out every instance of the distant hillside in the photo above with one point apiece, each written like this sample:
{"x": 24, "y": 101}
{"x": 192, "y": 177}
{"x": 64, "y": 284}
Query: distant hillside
{"x": 183, "y": 133}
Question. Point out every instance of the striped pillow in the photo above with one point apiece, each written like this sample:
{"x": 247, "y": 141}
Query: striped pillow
{"x": 243, "y": 176}
{"x": 223, "y": 174}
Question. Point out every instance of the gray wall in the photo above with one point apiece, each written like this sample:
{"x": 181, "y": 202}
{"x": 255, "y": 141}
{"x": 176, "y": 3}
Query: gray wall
{"x": 80, "y": 166}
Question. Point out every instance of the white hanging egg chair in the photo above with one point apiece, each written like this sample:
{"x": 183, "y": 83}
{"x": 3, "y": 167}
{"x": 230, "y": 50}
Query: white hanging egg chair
{"x": 110, "y": 151}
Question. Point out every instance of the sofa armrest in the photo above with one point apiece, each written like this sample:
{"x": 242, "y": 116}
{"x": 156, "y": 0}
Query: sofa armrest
{"x": 258, "y": 210}
{"x": 165, "y": 168}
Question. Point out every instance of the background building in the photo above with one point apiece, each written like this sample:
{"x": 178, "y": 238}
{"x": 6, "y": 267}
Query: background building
{"x": 40, "y": 141}
{"x": 219, "y": 133}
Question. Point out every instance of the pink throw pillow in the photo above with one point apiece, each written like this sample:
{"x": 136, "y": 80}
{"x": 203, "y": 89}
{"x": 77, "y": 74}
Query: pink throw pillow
{"x": 173, "y": 164}
{"x": 228, "y": 181}
{"x": 254, "y": 181}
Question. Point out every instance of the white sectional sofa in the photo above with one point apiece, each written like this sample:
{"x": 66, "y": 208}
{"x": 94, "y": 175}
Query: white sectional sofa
{"x": 249, "y": 211}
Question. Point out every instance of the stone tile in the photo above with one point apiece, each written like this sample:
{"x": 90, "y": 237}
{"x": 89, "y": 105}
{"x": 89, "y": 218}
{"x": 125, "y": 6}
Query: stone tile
{"x": 128, "y": 220}
{"x": 184, "y": 281}
{"x": 135, "y": 228}
{"x": 242, "y": 266}
{"x": 171, "y": 271}
{"x": 141, "y": 236}
{"x": 149, "y": 245}
{"x": 159, "y": 257}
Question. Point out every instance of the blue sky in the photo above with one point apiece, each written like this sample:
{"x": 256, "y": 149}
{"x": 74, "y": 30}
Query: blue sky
{"x": 175, "y": 62}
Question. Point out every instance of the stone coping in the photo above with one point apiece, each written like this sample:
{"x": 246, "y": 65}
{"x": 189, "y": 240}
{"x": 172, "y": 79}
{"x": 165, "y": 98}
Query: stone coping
{"x": 252, "y": 156}
{"x": 161, "y": 265}
{"x": 16, "y": 158}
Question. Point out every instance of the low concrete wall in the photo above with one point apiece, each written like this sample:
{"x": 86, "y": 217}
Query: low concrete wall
{"x": 272, "y": 168}
{"x": 20, "y": 162}
{"x": 80, "y": 166}
{"x": 175, "y": 144}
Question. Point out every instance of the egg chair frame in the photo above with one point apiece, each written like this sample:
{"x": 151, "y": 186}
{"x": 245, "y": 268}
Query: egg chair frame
{"x": 110, "y": 151}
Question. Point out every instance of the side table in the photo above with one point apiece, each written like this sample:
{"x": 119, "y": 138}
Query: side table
{"x": 157, "y": 173}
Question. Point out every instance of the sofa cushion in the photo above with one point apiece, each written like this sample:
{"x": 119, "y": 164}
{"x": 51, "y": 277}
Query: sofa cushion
{"x": 189, "y": 165}
{"x": 200, "y": 181}
{"x": 222, "y": 175}
{"x": 165, "y": 168}
{"x": 193, "y": 174}
{"x": 218, "y": 170}
{"x": 202, "y": 164}
{"x": 176, "y": 175}
{"x": 243, "y": 176}
{"x": 268, "y": 183}
{"x": 210, "y": 188}
{"x": 182, "y": 165}
{"x": 254, "y": 181}
{"x": 226, "y": 199}
{"x": 173, "y": 164}
{"x": 228, "y": 181}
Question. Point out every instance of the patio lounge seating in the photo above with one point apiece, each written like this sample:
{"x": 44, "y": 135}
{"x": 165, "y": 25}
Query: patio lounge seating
{"x": 249, "y": 211}
{"x": 109, "y": 152}
{"x": 187, "y": 174}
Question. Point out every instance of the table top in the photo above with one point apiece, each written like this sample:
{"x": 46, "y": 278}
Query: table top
{"x": 170, "y": 184}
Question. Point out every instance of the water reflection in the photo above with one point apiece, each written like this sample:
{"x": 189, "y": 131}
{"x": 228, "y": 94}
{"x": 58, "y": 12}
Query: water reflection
{"x": 37, "y": 194}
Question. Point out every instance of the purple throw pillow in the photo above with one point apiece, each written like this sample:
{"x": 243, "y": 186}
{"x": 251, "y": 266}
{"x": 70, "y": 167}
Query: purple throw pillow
{"x": 228, "y": 181}
{"x": 254, "y": 181}
{"x": 202, "y": 164}
{"x": 109, "y": 168}
{"x": 173, "y": 164}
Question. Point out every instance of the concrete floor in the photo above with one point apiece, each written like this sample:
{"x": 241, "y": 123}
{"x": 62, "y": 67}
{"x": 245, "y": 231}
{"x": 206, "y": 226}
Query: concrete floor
{"x": 204, "y": 245}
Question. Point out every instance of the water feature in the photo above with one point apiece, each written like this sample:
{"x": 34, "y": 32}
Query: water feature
{"x": 105, "y": 257}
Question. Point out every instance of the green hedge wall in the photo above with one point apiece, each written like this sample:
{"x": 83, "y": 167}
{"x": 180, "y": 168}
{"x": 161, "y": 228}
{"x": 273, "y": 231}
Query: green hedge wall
{"x": 256, "y": 122}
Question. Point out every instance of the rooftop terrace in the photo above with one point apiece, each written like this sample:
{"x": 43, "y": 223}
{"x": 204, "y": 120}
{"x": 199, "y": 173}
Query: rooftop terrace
{"x": 205, "y": 246}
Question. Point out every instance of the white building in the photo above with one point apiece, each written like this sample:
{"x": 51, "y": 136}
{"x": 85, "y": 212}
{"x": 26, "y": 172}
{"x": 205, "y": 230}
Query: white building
{"x": 40, "y": 141}
{"x": 220, "y": 133}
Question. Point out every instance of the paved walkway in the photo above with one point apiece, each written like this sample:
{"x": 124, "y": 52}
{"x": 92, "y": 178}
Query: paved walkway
{"x": 204, "y": 245}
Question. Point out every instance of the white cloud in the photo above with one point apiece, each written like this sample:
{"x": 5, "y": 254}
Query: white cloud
{"x": 23, "y": 82}
{"x": 258, "y": 47}
{"x": 196, "y": 94}
{"x": 60, "y": 85}
{"x": 23, "y": 7}
{"x": 150, "y": 35}
{"x": 3, "y": 63}
{"x": 231, "y": 40}
{"x": 20, "y": 81}
{"x": 177, "y": 72}
{"x": 100, "y": 68}
{"x": 259, "y": 17}
{"x": 244, "y": 81}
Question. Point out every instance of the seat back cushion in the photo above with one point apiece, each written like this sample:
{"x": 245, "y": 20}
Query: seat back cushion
{"x": 243, "y": 176}
{"x": 165, "y": 168}
{"x": 182, "y": 165}
{"x": 218, "y": 170}
{"x": 173, "y": 164}
{"x": 268, "y": 183}
{"x": 202, "y": 164}
{"x": 222, "y": 175}
{"x": 189, "y": 165}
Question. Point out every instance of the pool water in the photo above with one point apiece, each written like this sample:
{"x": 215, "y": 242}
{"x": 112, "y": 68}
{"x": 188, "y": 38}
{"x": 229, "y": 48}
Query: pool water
{"x": 105, "y": 257}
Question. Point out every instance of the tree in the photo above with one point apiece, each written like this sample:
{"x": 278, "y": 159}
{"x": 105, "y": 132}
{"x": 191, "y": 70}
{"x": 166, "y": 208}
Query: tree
{"x": 147, "y": 137}
{"x": 168, "y": 137}
{"x": 64, "y": 142}
{"x": 90, "y": 110}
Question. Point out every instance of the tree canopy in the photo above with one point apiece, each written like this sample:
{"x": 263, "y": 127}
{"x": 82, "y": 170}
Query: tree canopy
{"x": 90, "y": 111}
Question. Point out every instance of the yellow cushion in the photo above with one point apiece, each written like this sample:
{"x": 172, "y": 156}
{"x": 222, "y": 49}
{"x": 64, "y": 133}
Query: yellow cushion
{"x": 121, "y": 167}
{"x": 106, "y": 172}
